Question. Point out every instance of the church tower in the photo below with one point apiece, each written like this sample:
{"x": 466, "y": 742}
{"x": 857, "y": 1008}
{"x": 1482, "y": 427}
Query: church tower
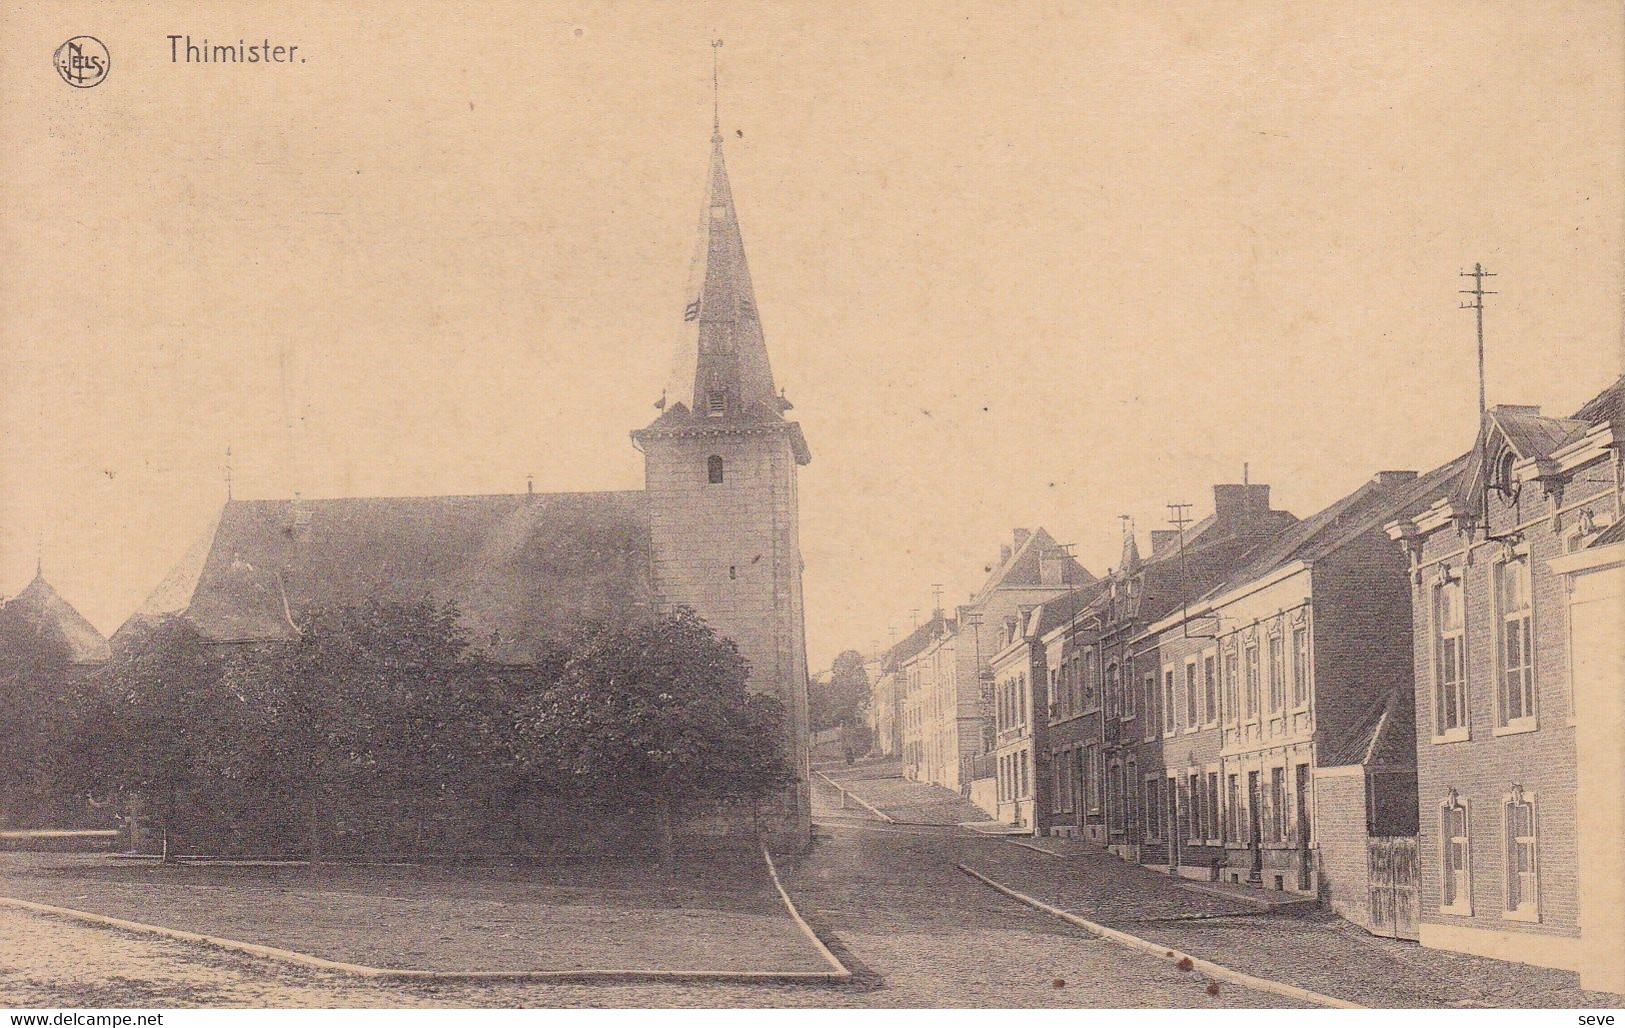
{"x": 720, "y": 476}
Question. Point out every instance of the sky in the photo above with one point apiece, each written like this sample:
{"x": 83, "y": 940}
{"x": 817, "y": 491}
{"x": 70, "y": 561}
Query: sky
{"x": 1017, "y": 265}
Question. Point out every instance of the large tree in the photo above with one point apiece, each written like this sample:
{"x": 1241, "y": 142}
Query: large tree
{"x": 844, "y": 699}
{"x": 655, "y": 712}
{"x": 160, "y": 727}
{"x": 373, "y": 699}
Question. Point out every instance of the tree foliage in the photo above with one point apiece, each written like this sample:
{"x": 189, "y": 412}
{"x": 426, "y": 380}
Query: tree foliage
{"x": 378, "y": 719}
{"x": 844, "y": 699}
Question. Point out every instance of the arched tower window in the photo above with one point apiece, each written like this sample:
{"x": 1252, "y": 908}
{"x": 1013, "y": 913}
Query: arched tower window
{"x": 713, "y": 470}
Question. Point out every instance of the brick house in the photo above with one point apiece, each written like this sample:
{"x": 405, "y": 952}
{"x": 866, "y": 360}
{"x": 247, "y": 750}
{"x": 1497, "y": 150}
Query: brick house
{"x": 1106, "y": 709}
{"x": 1496, "y": 718}
{"x": 1024, "y": 768}
{"x": 1295, "y": 666}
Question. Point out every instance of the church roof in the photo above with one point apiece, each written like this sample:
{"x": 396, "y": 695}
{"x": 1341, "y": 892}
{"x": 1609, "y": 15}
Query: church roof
{"x": 524, "y": 569}
{"x": 722, "y": 377}
{"x": 39, "y": 618}
{"x": 721, "y": 342}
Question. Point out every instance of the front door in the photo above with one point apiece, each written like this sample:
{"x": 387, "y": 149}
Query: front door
{"x": 1174, "y": 841}
{"x": 1254, "y": 838}
{"x": 1305, "y": 878}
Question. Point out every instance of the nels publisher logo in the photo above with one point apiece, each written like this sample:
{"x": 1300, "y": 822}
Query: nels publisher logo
{"x": 82, "y": 61}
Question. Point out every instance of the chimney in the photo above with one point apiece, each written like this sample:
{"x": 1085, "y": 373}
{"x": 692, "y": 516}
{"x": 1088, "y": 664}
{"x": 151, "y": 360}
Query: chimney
{"x": 1237, "y": 503}
{"x": 1393, "y": 478}
{"x": 1161, "y": 539}
{"x": 1022, "y": 535}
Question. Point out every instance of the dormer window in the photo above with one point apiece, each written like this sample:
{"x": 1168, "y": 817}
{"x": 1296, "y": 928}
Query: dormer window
{"x": 1505, "y": 480}
{"x": 713, "y": 470}
{"x": 716, "y": 405}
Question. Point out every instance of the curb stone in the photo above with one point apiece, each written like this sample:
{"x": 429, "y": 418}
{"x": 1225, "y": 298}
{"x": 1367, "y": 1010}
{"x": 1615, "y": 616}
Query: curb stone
{"x": 1134, "y": 942}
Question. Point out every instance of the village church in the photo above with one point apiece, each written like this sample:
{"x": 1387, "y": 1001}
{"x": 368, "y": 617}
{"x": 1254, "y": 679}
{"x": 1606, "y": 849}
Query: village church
{"x": 715, "y": 528}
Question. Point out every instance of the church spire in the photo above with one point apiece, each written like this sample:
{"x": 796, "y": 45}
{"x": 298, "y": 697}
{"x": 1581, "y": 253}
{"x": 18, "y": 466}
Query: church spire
{"x": 722, "y": 368}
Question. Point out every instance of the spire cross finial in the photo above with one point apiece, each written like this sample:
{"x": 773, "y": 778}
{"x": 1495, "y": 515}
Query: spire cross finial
{"x": 716, "y": 93}
{"x": 228, "y": 473}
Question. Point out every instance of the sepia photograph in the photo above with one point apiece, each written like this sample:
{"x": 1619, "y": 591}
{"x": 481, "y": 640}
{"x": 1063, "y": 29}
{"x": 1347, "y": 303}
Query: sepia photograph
{"x": 746, "y": 506}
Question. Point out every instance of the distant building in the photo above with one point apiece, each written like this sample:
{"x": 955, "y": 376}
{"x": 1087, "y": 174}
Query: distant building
{"x": 950, "y": 683}
{"x": 1499, "y": 721}
{"x": 39, "y": 624}
{"x": 885, "y": 706}
{"x": 46, "y": 646}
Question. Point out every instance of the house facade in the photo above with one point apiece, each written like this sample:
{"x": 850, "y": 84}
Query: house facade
{"x": 1498, "y": 757}
{"x": 1111, "y": 705}
{"x": 1295, "y": 664}
{"x": 956, "y": 704}
{"x": 1594, "y": 574}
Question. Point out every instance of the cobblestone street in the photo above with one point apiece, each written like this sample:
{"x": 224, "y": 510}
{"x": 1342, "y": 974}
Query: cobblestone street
{"x": 891, "y": 901}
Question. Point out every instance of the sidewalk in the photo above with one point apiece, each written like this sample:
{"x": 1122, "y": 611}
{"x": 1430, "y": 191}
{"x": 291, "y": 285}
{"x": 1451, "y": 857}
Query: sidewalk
{"x": 1309, "y": 948}
{"x": 882, "y": 786}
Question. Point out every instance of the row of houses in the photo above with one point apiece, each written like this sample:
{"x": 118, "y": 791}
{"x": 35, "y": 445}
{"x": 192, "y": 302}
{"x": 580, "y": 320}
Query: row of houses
{"x": 1410, "y": 705}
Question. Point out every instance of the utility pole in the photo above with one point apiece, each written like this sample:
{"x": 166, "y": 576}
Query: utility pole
{"x": 936, "y": 597}
{"x": 1476, "y": 305}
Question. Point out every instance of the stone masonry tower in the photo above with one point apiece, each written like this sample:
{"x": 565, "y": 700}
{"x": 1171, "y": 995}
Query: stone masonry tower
{"x": 720, "y": 470}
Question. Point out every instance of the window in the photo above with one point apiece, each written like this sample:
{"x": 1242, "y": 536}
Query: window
{"x": 1455, "y": 885}
{"x": 1277, "y": 674}
{"x": 1515, "y": 652}
{"x": 1090, "y": 700}
{"x": 1232, "y": 688}
{"x": 1210, "y": 689}
{"x": 1113, "y": 692}
{"x": 1097, "y": 795}
{"x": 1522, "y": 885}
{"x": 716, "y": 404}
{"x": 1021, "y": 699}
{"x": 1192, "y": 716}
{"x": 1026, "y": 773}
{"x": 1130, "y": 695}
{"x": 713, "y": 470}
{"x": 1252, "y": 680}
{"x": 1300, "y": 666}
{"x": 1169, "y": 710}
{"x": 1450, "y": 660}
{"x": 1150, "y": 684}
